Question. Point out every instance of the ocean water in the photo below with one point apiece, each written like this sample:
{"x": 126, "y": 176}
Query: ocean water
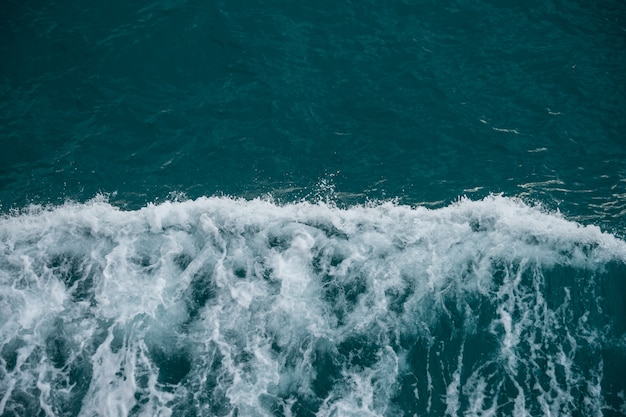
{"x": 289, "y": 208}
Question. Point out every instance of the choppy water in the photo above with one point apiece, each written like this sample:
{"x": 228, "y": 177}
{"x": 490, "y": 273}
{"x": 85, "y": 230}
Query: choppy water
{"x": 231, "y": 307}
{"x": 253, "y": 208}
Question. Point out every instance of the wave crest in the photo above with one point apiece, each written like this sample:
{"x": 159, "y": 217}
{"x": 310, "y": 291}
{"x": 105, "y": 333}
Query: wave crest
{"x": 222, "y": 306}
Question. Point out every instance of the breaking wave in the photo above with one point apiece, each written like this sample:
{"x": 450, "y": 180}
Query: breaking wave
{"x": 230, "y": 307}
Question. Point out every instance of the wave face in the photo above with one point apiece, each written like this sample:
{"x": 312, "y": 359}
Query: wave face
{"x": 228, "y": 307}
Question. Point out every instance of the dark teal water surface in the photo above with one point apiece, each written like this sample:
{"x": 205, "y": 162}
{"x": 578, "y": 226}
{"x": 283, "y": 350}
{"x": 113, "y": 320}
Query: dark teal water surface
{"x": 419, "y": 101}
{"x": 347, "y": 119}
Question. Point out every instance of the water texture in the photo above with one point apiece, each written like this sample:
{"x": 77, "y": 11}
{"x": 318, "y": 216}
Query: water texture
{"x": 413, "y": 100}
{"x": 234, "y": 307}
{"x": 281, "y": 208}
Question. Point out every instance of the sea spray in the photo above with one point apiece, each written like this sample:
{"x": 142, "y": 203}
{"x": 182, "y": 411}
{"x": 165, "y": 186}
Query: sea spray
{"x": 223, "y": 306}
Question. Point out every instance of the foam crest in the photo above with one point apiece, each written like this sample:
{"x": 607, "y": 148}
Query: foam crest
{"x": 222, "y": 306}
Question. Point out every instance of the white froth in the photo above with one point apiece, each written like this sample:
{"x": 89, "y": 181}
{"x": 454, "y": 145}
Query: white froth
{"x": 236, "y": 307}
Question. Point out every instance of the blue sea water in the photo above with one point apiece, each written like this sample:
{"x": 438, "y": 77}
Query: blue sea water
{"x": 289, "y": 208}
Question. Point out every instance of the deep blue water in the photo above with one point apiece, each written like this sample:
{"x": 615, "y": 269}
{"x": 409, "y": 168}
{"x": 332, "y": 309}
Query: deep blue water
{"x": 291, "y": 208}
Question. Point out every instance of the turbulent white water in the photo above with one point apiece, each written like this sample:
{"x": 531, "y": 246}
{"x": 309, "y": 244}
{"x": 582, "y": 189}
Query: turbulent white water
{"x": 223, "y": 306}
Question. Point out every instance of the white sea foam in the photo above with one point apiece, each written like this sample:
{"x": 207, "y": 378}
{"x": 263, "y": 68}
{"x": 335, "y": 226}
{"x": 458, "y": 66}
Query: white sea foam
{"x": 222, "y": 306}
